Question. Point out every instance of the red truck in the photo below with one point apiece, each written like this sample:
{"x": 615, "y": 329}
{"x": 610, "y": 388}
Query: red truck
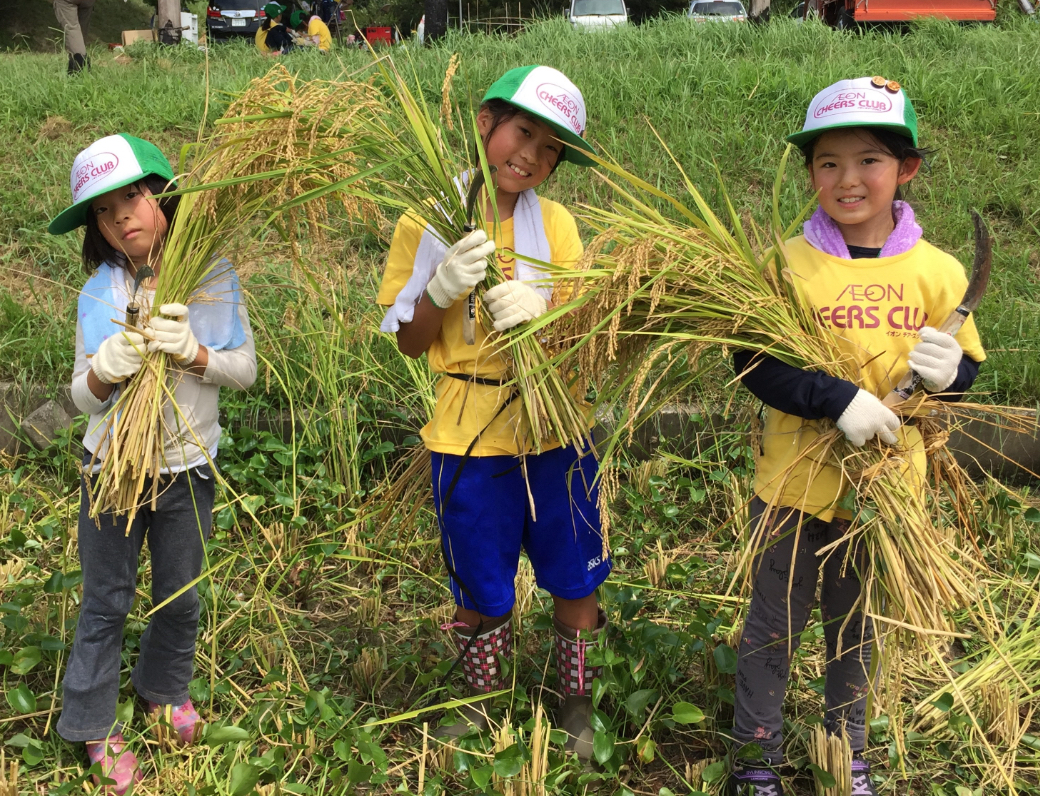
{"x": 845, "y": 13}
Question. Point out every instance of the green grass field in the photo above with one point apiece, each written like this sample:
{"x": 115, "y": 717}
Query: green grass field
{"x": 320, "y": 637}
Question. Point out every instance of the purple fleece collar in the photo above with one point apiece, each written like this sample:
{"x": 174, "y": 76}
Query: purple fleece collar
{"x": 823, "y": 233}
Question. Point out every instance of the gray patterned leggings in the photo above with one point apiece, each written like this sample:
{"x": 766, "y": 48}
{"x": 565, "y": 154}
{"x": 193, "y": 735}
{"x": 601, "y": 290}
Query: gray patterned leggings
{"x": 787, "y": 565}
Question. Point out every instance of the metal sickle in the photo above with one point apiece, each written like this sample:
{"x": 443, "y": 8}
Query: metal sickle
{"x": 469, "y": 319}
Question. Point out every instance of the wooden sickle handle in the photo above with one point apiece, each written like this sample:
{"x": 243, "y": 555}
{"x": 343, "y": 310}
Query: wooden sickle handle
{"x": 908, "y": 385}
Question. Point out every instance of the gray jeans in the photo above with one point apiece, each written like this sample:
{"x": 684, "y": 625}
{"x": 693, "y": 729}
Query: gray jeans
{"x": 176, "y": 531}
{"x": 772, "y": 631}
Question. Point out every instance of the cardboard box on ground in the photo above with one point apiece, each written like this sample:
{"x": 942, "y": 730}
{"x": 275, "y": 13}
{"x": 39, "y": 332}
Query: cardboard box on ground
{"x": 131, "y": 36}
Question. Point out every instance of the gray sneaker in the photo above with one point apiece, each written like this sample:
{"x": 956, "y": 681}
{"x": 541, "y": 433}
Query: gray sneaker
{"x": 861, "y": 784}
{"x": 755, "y": 782}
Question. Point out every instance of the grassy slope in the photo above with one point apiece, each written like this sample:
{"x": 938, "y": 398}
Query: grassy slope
{"x": 292, "y": 599}
{"x": 719, "y": 95}
{"x": 32, "y": 25}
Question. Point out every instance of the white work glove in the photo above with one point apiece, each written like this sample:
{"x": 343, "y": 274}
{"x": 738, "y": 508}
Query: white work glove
{"x": 936, "y": 359}
{"x": 512, "y": 303}
{"x": 174, "y": 335}
{"x": 464, "y": 266}
{"x": 866, "y": 417}
{"x": 118, "y": 357}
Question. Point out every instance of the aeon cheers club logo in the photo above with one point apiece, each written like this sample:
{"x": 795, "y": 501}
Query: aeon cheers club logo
{"x": 97, "y": 167}
{"x": 853, "y": 101}
{"x": 563, "y": 105}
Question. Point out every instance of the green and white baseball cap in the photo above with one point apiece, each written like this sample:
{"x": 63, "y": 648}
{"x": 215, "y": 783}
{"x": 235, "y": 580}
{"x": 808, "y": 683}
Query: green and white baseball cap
{"x": 547, "y": 94}
{"x": 861, "y": 102}
{"x": 109, "y": 163}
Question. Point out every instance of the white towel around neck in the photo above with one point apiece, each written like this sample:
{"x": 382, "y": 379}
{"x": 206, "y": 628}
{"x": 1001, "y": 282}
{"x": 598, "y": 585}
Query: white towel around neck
{"x": 529, "y": 240}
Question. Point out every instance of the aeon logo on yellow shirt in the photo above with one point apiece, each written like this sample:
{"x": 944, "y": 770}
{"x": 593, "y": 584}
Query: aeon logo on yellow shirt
{"x": 874, "y": 306}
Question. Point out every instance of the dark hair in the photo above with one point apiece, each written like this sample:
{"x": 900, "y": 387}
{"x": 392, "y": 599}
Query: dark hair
{"x": 895, "y": 144}
{"x": 501, "y": 112}
{"x": 266, "y": 24}
{"x": 97, "y": 250}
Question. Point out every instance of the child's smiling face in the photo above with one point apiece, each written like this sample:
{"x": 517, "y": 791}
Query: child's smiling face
{"x": 524, "y": 149}
{"x": 857, "y": 180}
{"x": 131, "y": 222}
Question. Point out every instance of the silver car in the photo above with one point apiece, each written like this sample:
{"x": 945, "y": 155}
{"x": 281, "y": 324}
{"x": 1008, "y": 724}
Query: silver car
{"x": 717, "y": 11}
{"x": 597, "y": 13}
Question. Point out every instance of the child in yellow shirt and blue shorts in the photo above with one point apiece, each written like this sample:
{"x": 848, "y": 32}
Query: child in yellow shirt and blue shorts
{"x": 494, "y": 496}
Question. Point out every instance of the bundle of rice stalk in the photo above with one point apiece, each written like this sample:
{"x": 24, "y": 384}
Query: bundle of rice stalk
{"x": 283, "y": 148}
{"x": 8, "y": 775}
{"x": 427, "y": 175}
{"x": 530, "y": 779}
{"x": 656, "y": 285}
{"x": 832, "y": 758}
{"x": 1008, "y": 659}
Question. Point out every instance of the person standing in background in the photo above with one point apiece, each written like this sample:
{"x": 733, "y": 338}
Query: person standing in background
{"x": 74, "y": 17}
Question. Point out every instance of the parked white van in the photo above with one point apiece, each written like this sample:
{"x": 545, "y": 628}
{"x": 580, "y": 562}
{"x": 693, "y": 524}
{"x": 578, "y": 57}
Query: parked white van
{"x": 597, "y": 13}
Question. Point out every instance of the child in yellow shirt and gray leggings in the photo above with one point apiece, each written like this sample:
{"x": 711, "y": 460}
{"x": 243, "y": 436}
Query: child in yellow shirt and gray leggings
{"x": 864, "y": 268}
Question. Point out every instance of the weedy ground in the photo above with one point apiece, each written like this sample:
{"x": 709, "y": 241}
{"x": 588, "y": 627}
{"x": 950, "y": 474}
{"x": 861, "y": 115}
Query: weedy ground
{"x": 320, "y": 654}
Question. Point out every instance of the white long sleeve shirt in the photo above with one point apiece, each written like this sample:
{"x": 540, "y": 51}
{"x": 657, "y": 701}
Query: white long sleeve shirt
{"x": 191, "y": 432}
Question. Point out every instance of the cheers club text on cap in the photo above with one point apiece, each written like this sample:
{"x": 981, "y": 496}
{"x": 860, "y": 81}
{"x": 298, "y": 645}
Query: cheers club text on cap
{"x": 109, "y": 163}
{"x": 861, "y": 102}
{"x": 547, "y": 94}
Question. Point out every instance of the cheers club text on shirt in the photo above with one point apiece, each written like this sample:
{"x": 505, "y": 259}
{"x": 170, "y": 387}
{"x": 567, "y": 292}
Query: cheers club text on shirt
{"x": 860, "y": 307}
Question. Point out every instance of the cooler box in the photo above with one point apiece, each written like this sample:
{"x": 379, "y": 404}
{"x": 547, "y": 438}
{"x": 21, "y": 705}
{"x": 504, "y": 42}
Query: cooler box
{"x": 379, "y": 36}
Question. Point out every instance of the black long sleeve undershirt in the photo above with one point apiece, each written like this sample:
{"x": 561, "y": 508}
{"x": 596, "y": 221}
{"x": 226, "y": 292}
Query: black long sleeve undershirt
{"x": 814, "y": 395}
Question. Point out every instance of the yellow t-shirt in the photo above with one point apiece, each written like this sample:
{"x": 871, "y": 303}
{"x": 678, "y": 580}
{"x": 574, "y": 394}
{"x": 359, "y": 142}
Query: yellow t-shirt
{"x": 261, "y": 39}
{"x": 315, "y": 27}
{"x": 464, "y": 408}
{"x": 877, "y": 307}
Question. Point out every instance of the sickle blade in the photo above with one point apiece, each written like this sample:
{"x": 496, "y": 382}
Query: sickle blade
{"x": 473, "y": 194}
{"x": 980, "y": 269}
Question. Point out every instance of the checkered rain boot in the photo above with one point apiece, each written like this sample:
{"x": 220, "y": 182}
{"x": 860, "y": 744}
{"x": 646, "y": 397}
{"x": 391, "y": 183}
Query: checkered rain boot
{"x": 482, "y": 670}
{"x": 576, "y": 677}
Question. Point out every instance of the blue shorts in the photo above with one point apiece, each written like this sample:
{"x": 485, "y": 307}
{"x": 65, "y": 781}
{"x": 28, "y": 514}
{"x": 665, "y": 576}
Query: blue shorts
{"x": 488, "y": 520}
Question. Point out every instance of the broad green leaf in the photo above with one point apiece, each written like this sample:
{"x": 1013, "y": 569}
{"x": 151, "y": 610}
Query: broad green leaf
{"x": 509, "y": 767}
{"x": 879, "y": 725}
{"x": 749, "y": 751}
{"x": 32, "y": 754}
{"x": 227, "y": 734}
{"x": 725, "y": 659}
{"x": 54, "y": 583}
{"x": 825, "y": 778}
{"x": 342, "y": 750}
{"x": 638, "y": 700}
{"x": 125, "y": 710}
{"x": 25, "y": 659}
{"x": 685, "y": 713}
{"x": 482, "y": 776}
{"x": 358, "y": 772}
{"x": 944, "y": 702}
{"x": 243, "y": 778}
{"x": 714, "y": 772}
{"x": 646, "y": 749}
{"x": 22, "y": 699}
{"x": 602, "y": 746}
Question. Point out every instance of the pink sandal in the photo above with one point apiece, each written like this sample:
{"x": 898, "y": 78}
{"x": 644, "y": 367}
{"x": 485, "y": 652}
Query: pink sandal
{"x": 185, "y": 720}
{"x": 117, "y": 763}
